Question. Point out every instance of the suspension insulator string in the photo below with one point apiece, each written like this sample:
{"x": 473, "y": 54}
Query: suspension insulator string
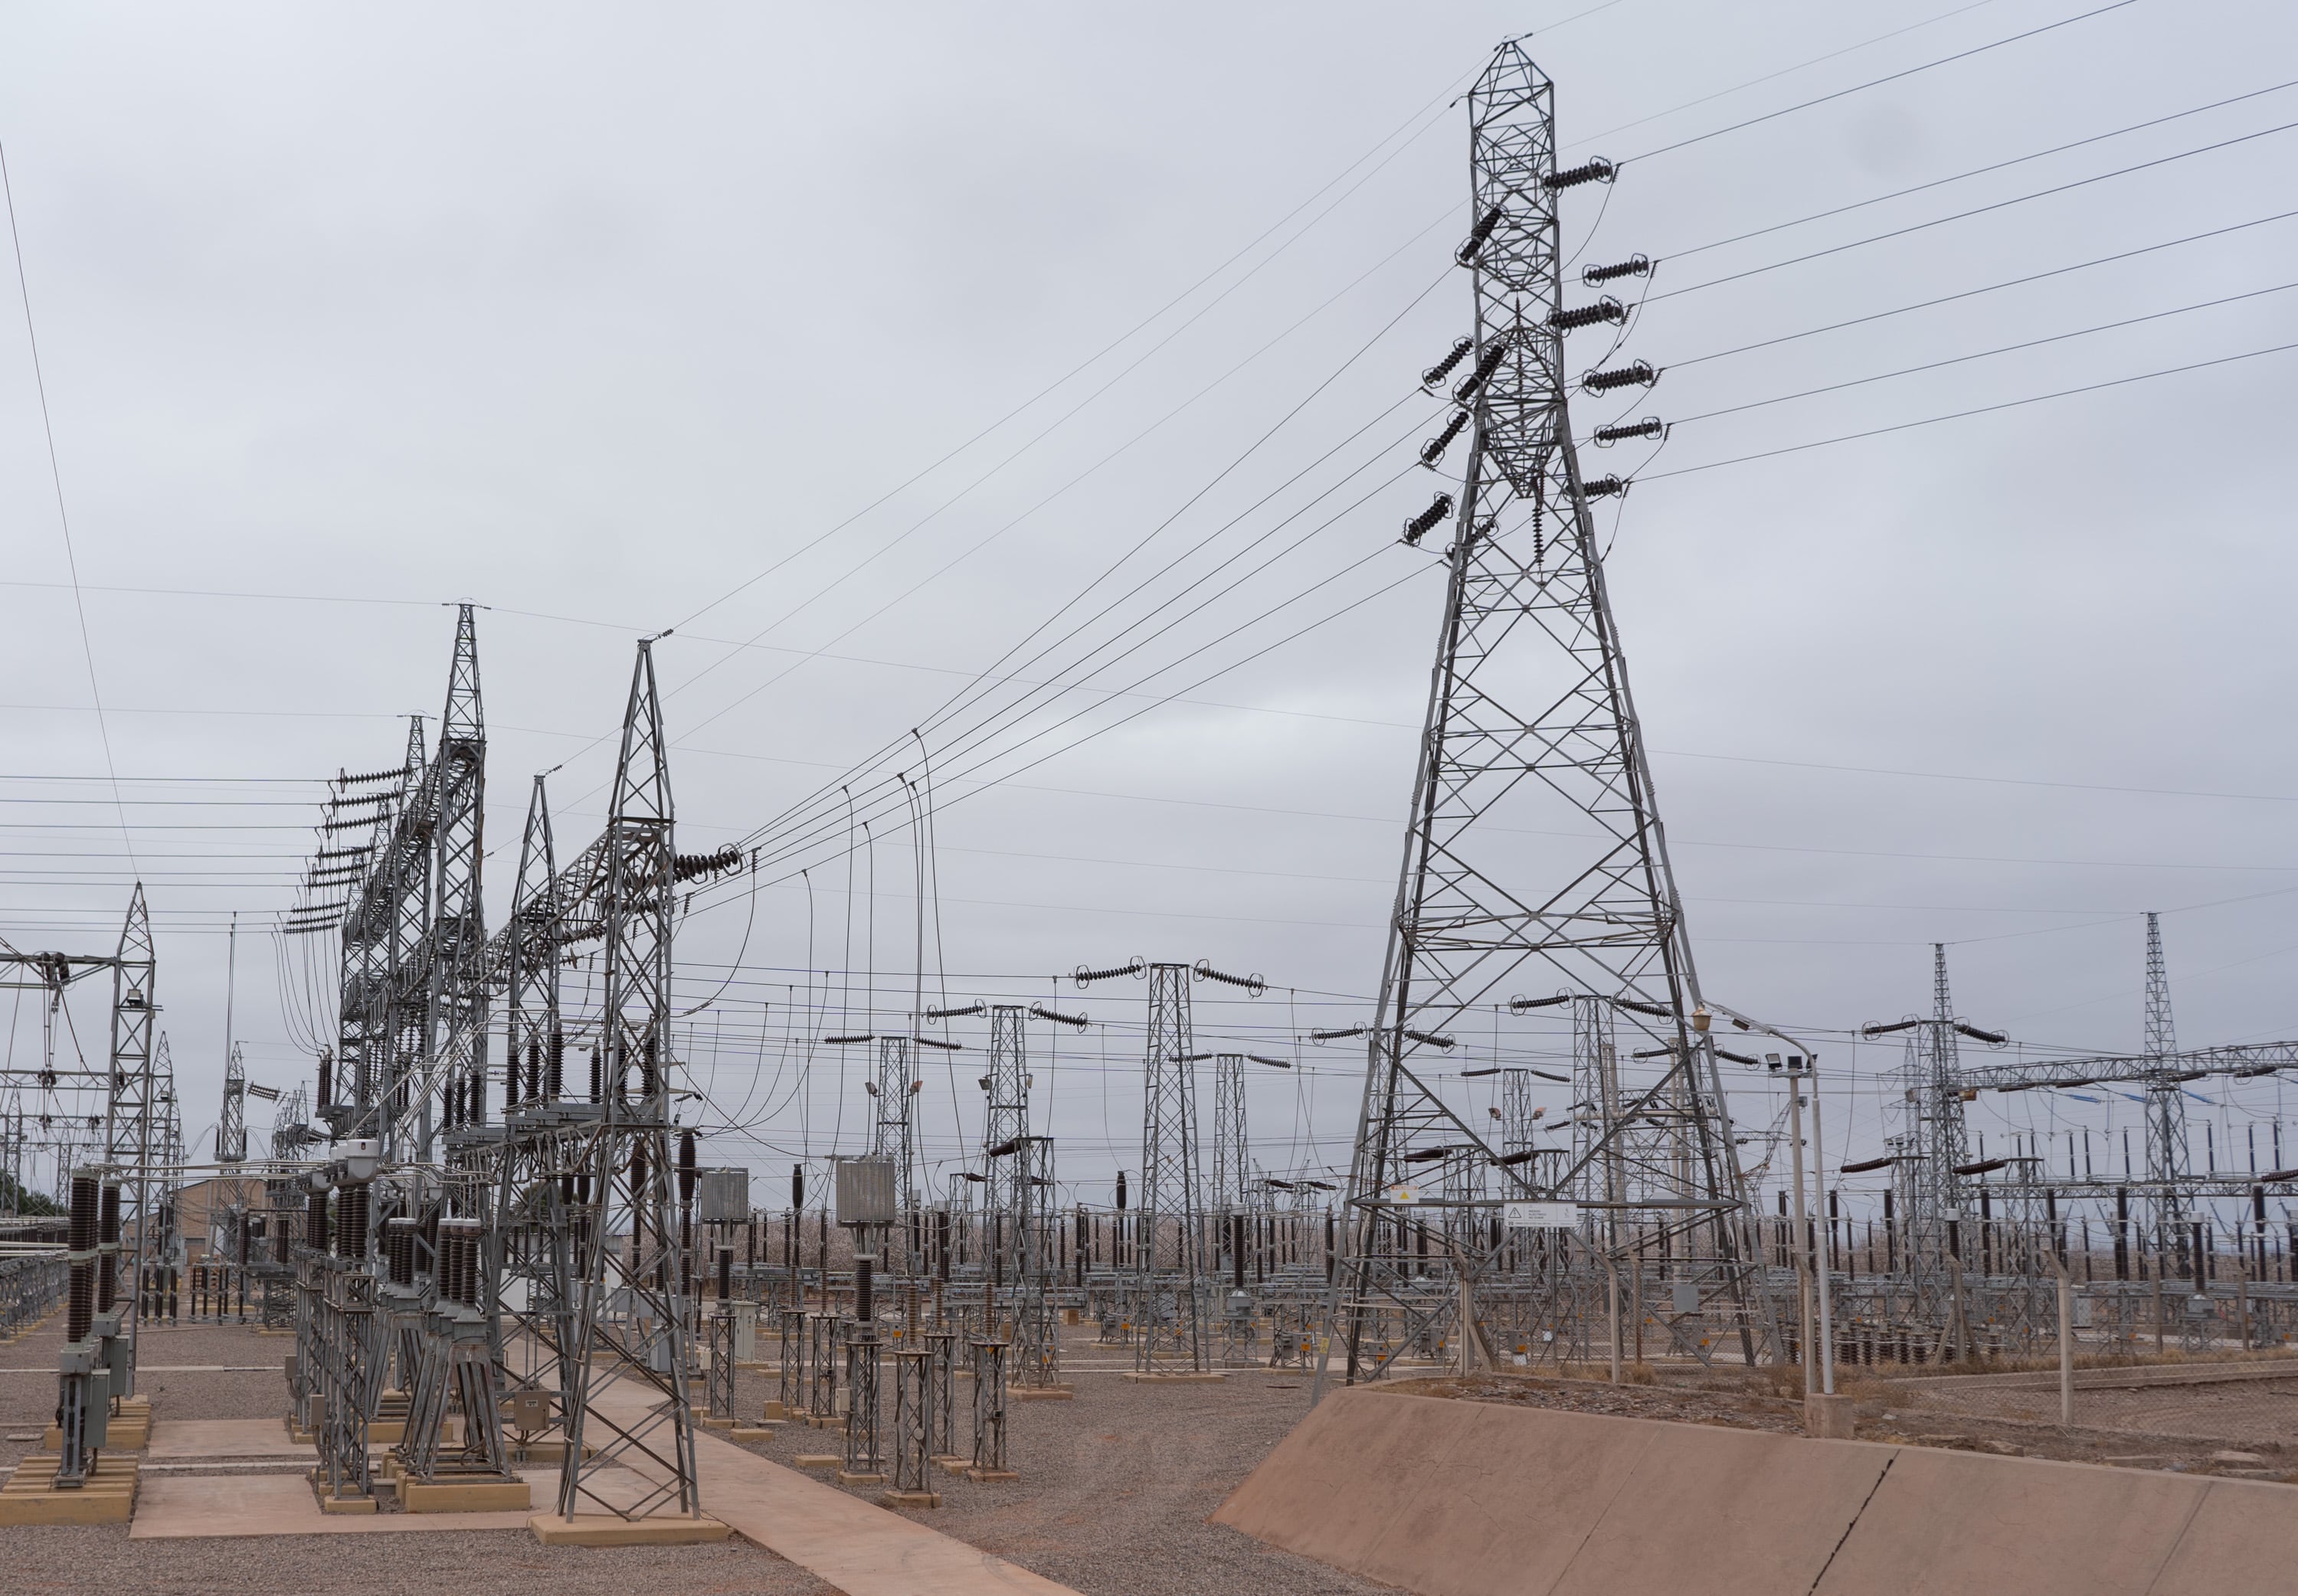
{"x": 1433, "y": 451}
{"x": 1442, "y": 368}
{"x": 1634, "y": 266}
{"x": 1636, "y": 373}
{"x": 1466, "y": 253}
{"x": 1420, "y": 525}
{"x": 1605, "y": 309}
{"x": 1487, "y": 363}
{"x": 1650, "y": 426}
{"x": 1599, "y": 171}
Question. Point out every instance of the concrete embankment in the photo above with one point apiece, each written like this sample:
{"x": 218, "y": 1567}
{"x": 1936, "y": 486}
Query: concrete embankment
{"x": 1451, "y": 1497}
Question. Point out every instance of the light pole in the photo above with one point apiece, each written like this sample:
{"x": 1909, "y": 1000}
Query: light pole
{"x": 1810, "y": 1072}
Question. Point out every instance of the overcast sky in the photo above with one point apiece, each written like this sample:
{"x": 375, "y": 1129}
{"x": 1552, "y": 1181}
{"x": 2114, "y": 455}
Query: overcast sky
{"x": 858, "y": 344}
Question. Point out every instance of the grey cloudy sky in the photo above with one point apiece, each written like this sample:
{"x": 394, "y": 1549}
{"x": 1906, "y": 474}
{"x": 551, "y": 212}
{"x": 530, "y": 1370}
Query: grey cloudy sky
{"x": 595, "y": 315}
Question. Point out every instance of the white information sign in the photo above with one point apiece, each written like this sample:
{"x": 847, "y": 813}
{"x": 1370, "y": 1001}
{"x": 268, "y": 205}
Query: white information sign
{"x": 1544, "y": 1215}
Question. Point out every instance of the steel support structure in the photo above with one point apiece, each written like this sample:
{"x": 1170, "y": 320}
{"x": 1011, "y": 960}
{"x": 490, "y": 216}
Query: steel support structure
{"x": 1530, "y": 730}
{"x": 628, "y": 1409}
{"x": 1169, "y": 1288}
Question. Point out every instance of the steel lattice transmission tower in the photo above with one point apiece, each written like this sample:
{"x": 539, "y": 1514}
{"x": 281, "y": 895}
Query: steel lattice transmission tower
{"x": 629, "y": 1299}
{"x": 1933, "y": 1149}
{"x": 1170, "y": 1318}
{"x": 131, "y": 1107}
{"x": 2167, "y": 1172}
{"x": 894, "y": 1132}
{"x": 1530, "y": 730}
{"x": 453, "y": 1037}
{"x": 1230, "y": 1156}
{"x": 1004, "y": 1123}
{"x": 1169, "y": 1275}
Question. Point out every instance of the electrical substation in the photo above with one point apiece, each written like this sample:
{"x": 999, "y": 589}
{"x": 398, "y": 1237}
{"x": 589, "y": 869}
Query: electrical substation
{"x": 565, "y": 1222}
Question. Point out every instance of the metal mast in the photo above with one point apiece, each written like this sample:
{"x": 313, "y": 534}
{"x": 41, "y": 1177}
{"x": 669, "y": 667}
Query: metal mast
{"x": 1229, "y": 1160}
{"x": 536, "y": 1241}
{"x": 629, "y": 1410}
{"x": 2167, "y": 1173}
{"x": 1169, "y": 1320}
{"x": 1530, "y": 730}
{"x": 1007, "y": 1122}
{"x": 129, "y": 1105}
{"x": 231, "y": 1130}
{"x": 453, "y": 1043}
{"x": 893, "y": 1137}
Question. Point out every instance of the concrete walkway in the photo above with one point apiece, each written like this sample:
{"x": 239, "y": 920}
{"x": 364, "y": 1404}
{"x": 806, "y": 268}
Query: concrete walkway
{"x": 861, "y": 1549}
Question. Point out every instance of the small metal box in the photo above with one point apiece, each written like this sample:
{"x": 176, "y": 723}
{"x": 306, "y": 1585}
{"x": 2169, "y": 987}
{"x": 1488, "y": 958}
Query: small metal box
{"x": 722, "y": 1196}
{"x": 865, "y": 1191}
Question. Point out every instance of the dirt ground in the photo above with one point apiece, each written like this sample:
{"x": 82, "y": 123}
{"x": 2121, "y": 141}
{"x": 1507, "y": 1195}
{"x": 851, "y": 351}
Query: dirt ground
{"x": 1116, "y": 1484}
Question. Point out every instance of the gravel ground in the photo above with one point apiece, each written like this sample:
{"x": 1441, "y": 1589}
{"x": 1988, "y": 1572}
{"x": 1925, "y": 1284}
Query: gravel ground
{"x": 1113, "y": 1497}
{"x": 469, "y": 1563}
{"x": 1116, "y": 1485}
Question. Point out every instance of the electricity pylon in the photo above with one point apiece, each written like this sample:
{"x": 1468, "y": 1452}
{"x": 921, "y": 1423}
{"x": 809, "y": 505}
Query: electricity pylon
{"x": 1530, "y": 731}
{"x": 1932, "y": 1149}
{"x": 2167, "y": 1172}
{"x": 131, "y": 1106}
{"x": 629, "y": 1298}
{"x": 454, "y": 992}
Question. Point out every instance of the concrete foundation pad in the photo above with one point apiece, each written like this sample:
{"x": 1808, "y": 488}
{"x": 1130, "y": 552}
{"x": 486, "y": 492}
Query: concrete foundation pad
{"x": 750, "y": 1432}
{"x": 350, "y": 1504}
{"x": 910, "y": 1499}
{"x": 819, "y": 1460}
{"x": 990, "y": 1476}
{"x": 604, "y": 1529}
{"x": 1041, "y": 1393}
{"x": 1138, "y": 1378}
{"x": 709, "y": 1423}
{"x": 845, "y": 1478}
{"x": 200, "y": 1507}
{"x": 467, "y": 1496}
{"x": 30, "y": 1496}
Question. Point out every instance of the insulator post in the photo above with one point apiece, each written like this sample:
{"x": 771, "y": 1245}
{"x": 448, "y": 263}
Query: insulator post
{"x": 1636, "y": 373}
{"x": 1602, "y": 487}
{"x": 1599, "y": 171}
